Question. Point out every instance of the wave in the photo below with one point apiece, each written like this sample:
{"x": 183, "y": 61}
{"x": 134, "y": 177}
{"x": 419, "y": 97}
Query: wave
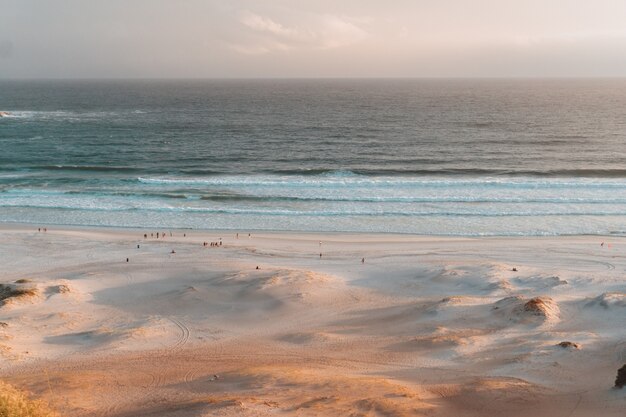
{"x": 346, "y": 180}
{"x": 64, "y": 114}
{"x": 434, "y": 177}
{"x": 317, "y": 213}
{"x": 96, "y": 194}
{"x": 505, "y": 200}
{"x": 9, "y": 176}
{"x": 88, "y": 168}
{"x": 234, "y": 197}
{"x": 470, "y": 172}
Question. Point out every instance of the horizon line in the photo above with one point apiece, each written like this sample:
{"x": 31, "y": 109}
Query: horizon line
{"x": 560, "y": 77}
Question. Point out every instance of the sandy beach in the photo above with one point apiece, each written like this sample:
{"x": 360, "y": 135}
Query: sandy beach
{"x": 378, "y": 325}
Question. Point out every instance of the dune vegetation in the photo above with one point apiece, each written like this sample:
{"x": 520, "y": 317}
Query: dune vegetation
{"x": 15, "y": 403}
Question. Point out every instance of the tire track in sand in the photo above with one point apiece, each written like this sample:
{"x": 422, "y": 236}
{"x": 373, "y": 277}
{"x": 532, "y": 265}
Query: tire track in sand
{"x": 158, "y": 379}
{"x": 183, "y": 337}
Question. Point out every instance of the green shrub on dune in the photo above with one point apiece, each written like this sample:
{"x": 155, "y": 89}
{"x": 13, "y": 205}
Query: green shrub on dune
{"x": 14, "y": 403}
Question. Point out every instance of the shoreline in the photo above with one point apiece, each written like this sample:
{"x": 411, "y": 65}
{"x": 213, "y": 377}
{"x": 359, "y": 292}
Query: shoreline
{"x": 401, "y": 325}
{"x": 10, "y": 226}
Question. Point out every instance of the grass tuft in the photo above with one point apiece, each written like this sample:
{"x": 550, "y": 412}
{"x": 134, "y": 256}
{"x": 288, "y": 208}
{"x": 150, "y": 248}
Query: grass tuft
{"x": 9, "y": 291}
{"x": 15, "y": 403}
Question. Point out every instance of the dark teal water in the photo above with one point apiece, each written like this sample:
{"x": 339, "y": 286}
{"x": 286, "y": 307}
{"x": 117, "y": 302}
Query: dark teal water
{"x": 457, "y": 157}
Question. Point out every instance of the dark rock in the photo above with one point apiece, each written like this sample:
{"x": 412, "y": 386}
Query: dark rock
{"x": 566, "y": 345}
{"x": 620, "y": 381}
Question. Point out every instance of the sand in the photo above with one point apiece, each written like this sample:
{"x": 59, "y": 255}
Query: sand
{"x": 425, "y": 326}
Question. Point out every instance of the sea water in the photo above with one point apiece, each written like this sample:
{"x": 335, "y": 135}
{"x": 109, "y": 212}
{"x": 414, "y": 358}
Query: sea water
{"x": 434, "y": 157}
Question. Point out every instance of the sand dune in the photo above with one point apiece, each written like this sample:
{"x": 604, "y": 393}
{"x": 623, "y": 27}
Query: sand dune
{"x": 433, "y": 327}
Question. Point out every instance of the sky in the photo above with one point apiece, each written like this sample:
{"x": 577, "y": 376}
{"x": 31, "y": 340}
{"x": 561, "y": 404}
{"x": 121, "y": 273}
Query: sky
{"x": 312, "y": 38}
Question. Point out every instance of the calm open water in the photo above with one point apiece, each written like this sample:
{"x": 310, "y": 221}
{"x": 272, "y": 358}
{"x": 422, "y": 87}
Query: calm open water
{"x": 444, "y": 157}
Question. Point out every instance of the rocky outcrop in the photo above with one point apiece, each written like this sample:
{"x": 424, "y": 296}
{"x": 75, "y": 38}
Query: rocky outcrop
{"x": 567, "y": 345}
{"x": 620, "y": 381}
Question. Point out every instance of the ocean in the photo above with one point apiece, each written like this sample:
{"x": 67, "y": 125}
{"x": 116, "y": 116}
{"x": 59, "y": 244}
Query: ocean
{"x": 431, "y": 157}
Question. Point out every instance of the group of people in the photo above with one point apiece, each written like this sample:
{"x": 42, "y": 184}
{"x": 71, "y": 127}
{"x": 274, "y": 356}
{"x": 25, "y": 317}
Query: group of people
{"x": 159, "y": 235}
{"x": 212, "y": 244}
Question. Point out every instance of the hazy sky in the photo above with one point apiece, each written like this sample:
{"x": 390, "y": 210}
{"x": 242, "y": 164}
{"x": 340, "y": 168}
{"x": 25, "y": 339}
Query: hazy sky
{"x": 312, "y": 38}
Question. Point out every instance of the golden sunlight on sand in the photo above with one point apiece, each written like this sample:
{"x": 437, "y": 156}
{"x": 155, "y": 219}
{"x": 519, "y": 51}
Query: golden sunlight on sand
{"x": 380, "y": 325}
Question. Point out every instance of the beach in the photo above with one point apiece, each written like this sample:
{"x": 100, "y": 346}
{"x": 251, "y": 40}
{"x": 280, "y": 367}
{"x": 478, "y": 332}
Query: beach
{"x": 107, "y": 322}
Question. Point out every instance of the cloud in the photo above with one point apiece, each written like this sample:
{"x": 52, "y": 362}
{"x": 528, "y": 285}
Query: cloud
{"x": 314, "y": 31}
{"x": 265, "y": 24}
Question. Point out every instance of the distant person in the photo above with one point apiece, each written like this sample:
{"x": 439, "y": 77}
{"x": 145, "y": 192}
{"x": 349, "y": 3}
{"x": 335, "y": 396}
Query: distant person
{"x": 362, "y": 260}
{"x": 137, "y": 246}
{"x": 126, "y": 259}
{"x": 173, "y": 251}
